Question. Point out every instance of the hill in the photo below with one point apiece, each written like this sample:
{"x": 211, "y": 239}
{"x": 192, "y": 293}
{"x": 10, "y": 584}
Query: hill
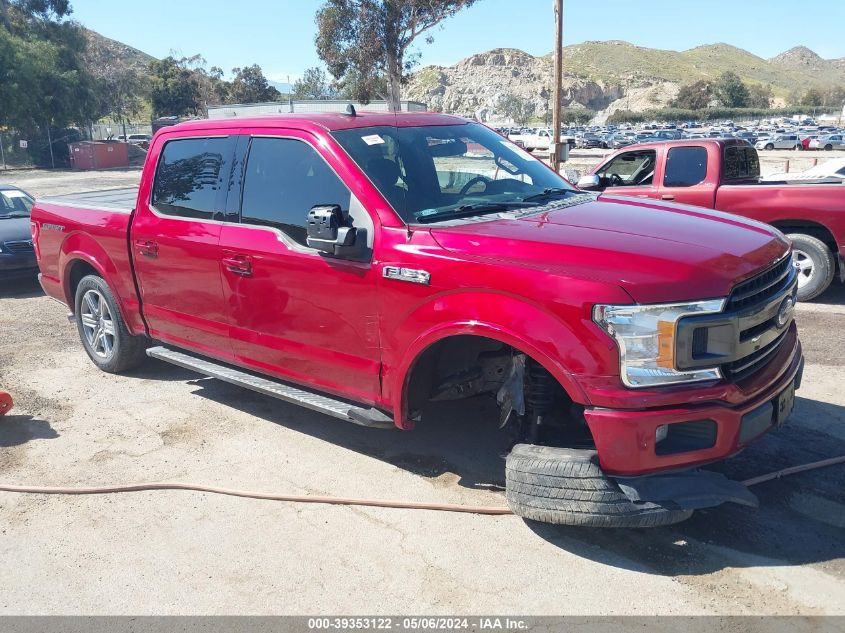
{"x": 610, "y": 75}
{"x": 104, "y": 52}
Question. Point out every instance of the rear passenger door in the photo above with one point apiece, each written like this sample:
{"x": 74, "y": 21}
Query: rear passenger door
{"x": 296, "y": 313}
{"x": 175, "y": 243}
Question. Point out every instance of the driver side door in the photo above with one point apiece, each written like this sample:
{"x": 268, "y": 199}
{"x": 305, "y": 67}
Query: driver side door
{"x": 632, "y": 173}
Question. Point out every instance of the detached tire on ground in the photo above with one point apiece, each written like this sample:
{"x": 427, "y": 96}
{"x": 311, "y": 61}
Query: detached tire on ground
{"x": 103, "y": 332}
{"x": 566, "y": 487}
{"x": 815, "y": 263}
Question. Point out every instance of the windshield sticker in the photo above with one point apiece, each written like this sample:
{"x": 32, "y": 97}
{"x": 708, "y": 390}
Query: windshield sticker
{"x": 12, "y": 193}
{"x": 372, "y": 139}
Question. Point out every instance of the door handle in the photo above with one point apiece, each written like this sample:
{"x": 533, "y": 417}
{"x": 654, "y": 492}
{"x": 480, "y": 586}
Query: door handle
{"x": 148, "y": 248}
{"x": 667, "y": 196}
{"x": 238, "y": 264}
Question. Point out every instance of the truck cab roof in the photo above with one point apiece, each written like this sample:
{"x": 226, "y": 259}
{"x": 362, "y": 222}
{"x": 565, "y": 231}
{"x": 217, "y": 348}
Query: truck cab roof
{"x": 328, "y": 121}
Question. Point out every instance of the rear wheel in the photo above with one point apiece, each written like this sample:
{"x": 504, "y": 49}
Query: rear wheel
{"x": 103, "y": 332}
{"x": 828, "y": 148}
{"x": 566, "y": 486}
{"x": 815, "y": 264}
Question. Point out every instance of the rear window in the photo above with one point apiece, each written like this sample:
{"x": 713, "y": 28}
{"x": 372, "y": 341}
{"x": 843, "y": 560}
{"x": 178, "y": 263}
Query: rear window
{"x": 685, "y": 166}
{"x": 740, "y": 163}
{"x": 189, "y": 177}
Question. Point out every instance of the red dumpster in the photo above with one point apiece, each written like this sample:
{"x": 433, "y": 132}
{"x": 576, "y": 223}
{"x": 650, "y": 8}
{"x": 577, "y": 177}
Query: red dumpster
{"x": 98, "y": 155}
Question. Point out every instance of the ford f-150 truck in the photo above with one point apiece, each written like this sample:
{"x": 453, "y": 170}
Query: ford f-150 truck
{"x": 374, "y": 266}
{"x": 725, "y": 175}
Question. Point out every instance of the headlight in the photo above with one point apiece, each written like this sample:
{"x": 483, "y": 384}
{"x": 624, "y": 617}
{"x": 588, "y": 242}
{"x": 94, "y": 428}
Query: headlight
{"x": 645, "y": 335}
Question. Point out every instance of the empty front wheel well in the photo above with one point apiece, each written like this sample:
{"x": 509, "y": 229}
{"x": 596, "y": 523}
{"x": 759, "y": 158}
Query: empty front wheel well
{"x": 465, "y": 366}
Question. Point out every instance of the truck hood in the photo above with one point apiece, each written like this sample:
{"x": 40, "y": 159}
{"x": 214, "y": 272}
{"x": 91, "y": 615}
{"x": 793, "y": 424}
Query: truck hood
{"x": 655, "y": 252}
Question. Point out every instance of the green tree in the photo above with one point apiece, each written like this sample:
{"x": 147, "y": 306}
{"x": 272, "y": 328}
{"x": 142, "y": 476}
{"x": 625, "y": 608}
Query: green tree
{"x": 813, "y": 97}
{"x": 314, "y": 84}
{"x": 29, "y": 9}
{"x": 250, "y": 86}
{"x": 176, "y": 86}
{"x": 695, "y": 96}
{"x": 731, "y": 91}
{"x": 372, "y": 39}
{"x": 43, "y": 77}
{"x": 120, "y": 91}
{"x": 516, "y": 108}
{"x": 759, "y": 96}
{"x": 578, "y": 116}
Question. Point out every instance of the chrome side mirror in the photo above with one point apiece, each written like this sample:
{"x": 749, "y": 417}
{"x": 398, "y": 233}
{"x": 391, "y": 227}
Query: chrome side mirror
{"x": 588, "y": 182}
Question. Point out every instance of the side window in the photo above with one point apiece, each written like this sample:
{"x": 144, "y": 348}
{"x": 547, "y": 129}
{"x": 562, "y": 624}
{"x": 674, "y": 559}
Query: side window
{"x": 630, "y": 169}
{"x": 685, "y": 166}
{"x": 189, "y": 177}
{"x": 283, "y": 179}
{"x": 740, "y": 163}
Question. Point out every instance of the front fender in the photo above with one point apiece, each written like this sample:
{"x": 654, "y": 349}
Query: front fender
{"x": 513, "y": 321}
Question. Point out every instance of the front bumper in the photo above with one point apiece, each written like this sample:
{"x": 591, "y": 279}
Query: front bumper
{"x": 18, "y": 265}
{"x": 625, "y": 439}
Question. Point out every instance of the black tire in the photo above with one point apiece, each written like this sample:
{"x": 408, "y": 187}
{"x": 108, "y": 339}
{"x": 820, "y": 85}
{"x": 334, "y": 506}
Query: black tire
{"x": 566, "y": 486}
{"x": 769, "y": 146}
{"x": 828, "y": 148}
{"x": 126, "y": 351}
{"x": 823, "y": 262}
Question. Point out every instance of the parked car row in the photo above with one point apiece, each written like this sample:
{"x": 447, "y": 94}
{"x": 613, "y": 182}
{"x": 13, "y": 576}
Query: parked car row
{"x": 799, "y": 134}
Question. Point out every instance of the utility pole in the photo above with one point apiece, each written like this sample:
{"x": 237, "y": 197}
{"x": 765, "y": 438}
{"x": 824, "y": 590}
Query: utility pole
{"x": 556, "y": 143}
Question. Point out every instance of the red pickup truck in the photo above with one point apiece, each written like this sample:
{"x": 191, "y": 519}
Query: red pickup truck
{"x": 368, "y": 265}
{"x": 725, "y": 175}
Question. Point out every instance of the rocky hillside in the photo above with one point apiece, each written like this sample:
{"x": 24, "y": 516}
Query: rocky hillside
{"x": 107, "y": 53}
{"x": 607, "y": 76}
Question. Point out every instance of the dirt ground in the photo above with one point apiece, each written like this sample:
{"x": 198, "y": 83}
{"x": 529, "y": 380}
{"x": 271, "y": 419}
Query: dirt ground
{"x": 192, "y": 553}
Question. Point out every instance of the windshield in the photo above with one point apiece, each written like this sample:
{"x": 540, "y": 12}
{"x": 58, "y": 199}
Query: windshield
{"x": 14, "y": 204}
{"x": 435, "y": 172}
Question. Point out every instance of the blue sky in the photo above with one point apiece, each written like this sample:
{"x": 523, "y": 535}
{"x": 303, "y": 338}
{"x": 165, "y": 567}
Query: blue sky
{"x": 279, "y": 34}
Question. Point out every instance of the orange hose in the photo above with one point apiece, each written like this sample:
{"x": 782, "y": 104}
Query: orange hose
{"x": 348, "y": 501}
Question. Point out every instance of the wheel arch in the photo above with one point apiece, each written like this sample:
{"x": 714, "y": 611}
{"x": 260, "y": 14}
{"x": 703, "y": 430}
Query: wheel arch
{"x": 807, "y": 227}
{"x": 82, "y": 255}
{"x": 400, "y": 379}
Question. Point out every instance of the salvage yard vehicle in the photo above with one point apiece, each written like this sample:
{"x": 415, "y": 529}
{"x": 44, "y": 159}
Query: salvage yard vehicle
{"x": 781, "y": 141}
{"x": 17, "y": 255}
{"x": 370, "y": 266}
{"x": 725, "y": 175}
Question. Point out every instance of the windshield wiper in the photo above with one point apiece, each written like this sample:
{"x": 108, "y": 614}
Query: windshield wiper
{"x": 469, "y": 210}
{"x": 551, "y": 192}
{"x": 14, "y": 215}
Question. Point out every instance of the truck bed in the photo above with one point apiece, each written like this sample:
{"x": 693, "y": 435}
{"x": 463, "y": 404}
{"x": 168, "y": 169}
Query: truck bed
{"x": 121, "y": 200}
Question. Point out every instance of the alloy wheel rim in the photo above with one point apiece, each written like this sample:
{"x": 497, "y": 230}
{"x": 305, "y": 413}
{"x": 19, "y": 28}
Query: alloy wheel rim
{"x": 97, "y": 324}
{"x": 805, "y": 267}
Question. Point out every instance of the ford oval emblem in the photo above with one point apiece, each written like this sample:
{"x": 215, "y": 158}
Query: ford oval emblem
{"x": 785, "y": 312}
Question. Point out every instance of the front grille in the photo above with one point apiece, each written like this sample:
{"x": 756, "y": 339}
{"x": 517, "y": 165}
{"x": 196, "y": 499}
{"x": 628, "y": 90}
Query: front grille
{"x": 744, "y": 367}
{"x": 22, "y": 246}
{"x": 762, "y": 287}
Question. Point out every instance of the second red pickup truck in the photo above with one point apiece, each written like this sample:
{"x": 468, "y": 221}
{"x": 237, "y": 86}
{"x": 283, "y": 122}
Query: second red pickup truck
{"x": 369, "y": 265}
{"x": 725, "y": 175}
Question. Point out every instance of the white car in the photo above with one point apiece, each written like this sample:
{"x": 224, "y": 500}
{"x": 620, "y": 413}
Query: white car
{"x": 828, "y": 142}
{"x": 780, "y": 141}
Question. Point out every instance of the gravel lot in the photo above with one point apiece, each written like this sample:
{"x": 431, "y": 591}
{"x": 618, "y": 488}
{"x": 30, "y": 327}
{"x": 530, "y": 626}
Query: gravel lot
{"x": 191, "y": 553}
